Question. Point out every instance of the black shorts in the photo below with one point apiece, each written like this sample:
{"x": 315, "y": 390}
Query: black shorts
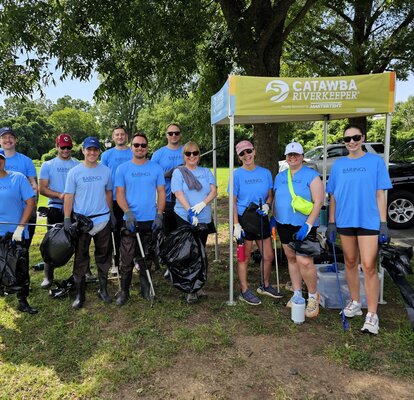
{"x": 286, "y": 232}
{"x": 357, "y": 232}
{"x": 252, "y": 236}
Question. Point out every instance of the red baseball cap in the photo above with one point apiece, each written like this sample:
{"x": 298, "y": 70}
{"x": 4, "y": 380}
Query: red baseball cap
{"x": 63, "y": 140}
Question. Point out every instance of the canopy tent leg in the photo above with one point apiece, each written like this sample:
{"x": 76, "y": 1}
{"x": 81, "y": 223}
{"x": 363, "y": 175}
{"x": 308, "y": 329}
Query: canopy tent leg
{"x": 216, "y": 248}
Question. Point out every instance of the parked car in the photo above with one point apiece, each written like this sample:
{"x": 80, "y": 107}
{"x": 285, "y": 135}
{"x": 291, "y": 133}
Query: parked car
{"x": 401, "y": 197}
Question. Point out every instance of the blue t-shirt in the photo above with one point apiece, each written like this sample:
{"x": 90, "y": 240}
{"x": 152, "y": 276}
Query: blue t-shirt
{"x": 113, "y": 158}
{"x": 167, "y": 159}
{"x": 251, "y": 186}
{"x": 21, "y": 163}
{"x": 55, "y": 172}
{"x": 354, "y": 183}
{"x": 89, "y": 187}
{"x": 206, "y": 178}
{"x": 140, "y": 183}
{"x": 301, "y": 182}
{"x": 15, "y": 189}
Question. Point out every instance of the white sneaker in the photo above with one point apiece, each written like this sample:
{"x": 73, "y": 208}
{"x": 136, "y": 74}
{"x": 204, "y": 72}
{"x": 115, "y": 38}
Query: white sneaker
{"x": 371, "y": 324}
{"x": 352, "y": 309}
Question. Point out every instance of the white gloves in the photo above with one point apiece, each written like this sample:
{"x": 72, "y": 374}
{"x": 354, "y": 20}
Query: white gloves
{"x": 17, "y": 235}
{"x": 238, "y": 231}
{"x": 265, "y": 208}
{"x": 198, "y": 207}
{"x": 194, "y": 221}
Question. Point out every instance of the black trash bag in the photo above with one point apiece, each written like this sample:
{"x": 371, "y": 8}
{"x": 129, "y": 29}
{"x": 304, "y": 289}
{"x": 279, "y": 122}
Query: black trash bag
{"x": 12, "y": 260}
{"x": 82, "y": 223}
{"x": 253, "y": 222}
{"x": 62, "y": 289}
{"x": 310, "y": 247}
{"x": 184, "y": 255}
{"x": 58, "y": 246}
{"x": 396, "y": 258}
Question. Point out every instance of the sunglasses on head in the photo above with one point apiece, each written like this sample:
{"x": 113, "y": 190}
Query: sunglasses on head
{"x": 175, "y": 133}
{"x": 247, "y": 151}
{"x": 66, "y": 147}
{"x": 355, "y": 138}
{"x": 143, "y": 145}
{"x": 191, "y": 153}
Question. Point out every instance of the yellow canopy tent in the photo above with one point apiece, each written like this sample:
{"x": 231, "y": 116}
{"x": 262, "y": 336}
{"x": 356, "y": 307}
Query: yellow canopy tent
{"x": 257, "y": 100}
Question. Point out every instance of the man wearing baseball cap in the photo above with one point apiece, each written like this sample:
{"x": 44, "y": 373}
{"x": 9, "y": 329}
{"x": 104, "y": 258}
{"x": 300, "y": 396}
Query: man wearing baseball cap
{"x": 53, "y": 174}
{"x": 88, "y": 191}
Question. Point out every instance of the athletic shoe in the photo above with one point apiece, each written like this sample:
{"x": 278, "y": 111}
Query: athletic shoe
{"x": 250, "y": 298}
{"x": 312, "y": 308}
{"x": 371, "y": 324}
{"x": 269, "y": 291}
{"x": 352, "y": 309}
{"x": 289, "y": 303}
{"x": 114, "y": 270}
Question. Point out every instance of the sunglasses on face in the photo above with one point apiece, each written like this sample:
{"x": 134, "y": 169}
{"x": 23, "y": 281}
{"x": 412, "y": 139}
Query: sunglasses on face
{"x": 66, "y": 147}
{"x": 175, "y": 133}
{"x": 293, "y": 155}
{"x": 247, "y": 151}
{"x": 355, "y": 138}
{"x": 143, "y": 145}
{"x": 192, "y": 153}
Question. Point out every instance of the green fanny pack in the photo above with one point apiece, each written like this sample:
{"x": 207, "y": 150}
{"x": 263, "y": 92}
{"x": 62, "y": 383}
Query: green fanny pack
{"x": 298, "y": 203}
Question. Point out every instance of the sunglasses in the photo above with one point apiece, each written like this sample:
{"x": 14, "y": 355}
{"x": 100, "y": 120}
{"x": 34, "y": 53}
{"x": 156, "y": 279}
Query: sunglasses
{"x": 143, "y": 145}
{"x": 355, "y": 138}
{"x": 293, "y": 155}
{"x": 247, "y": 151}
{"x": 192, "y": 153}
{"x": 66, "y": 147}
{"x": 177, "y": 133}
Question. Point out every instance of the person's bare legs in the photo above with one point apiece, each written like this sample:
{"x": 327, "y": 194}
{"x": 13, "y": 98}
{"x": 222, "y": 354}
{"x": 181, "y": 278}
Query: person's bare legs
{"x": 308, "y": 272}
{"x": 267, "y": 258}
{"x": 368, "y": 247}
{"x": 294, "y": 271}
{"x": 350, "y": 249}
{"x": 242, "y": 266}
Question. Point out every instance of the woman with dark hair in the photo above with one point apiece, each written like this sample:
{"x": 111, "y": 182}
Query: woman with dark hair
{"x": 358, "y": 212}
{"x": 292, "y": 223}
{"x": 252, "y": 184}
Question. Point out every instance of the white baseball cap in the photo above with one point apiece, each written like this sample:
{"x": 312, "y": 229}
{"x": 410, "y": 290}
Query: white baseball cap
{"x": 294, "y": 147}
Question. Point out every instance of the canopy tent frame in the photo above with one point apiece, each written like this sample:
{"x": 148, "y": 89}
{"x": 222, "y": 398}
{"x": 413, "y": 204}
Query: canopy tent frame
{"x": 238, "y": 102}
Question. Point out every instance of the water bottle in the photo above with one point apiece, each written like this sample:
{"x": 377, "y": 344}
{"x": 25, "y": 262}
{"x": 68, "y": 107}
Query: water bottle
{"x": 241, "y": 256}
{"x": 298, "y": 310}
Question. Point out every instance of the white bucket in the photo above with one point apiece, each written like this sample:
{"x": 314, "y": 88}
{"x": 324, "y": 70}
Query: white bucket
{"x": 298, "y": 313}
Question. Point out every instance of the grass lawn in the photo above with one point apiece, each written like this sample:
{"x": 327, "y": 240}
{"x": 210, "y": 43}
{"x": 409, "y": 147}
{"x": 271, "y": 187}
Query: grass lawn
{"x": 207, "y": 350}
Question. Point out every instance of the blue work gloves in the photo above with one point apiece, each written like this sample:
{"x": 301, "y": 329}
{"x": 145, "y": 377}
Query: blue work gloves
{"x": 331, "y": 232}
{"x": 192, "y": 218}
{"x": 113, "y": 220}
{"x": 238, "y": 232}
{"x": 273, "y": 224}
{"x": 157, "y": 224}
{"x": 384, "y": 235}
{"x": 130, "y": 220}
{"x": 263, "y": 210}
{"x": 67, "y": 223}
{"x": 303, "y": 231}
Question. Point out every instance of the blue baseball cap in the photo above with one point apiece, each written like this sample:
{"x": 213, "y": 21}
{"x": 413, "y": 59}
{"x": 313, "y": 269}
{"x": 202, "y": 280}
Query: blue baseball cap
{"x": 7, "y": 129}
{"x": 91, "y": 142}
{"x": 2, "y": 154}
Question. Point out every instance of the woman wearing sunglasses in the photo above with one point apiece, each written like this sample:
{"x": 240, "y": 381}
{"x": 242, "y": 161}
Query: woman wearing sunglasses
{"x": 358, "y": 212}
{"x": 294, "y": 224}
{"x": 195, "y": 188}
{"x": 252, "y": 184}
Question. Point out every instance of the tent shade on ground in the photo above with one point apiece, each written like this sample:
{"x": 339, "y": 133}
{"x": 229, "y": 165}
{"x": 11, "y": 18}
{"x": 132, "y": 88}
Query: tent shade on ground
{"x": 257, "y": 100}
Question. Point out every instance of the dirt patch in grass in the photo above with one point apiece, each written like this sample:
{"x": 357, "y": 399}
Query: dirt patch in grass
{"x": 262, "y": 367}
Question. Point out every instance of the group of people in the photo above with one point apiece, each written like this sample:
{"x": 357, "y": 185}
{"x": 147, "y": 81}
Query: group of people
{"x": 357, "y": 212}
{"x": 127, "y": 193}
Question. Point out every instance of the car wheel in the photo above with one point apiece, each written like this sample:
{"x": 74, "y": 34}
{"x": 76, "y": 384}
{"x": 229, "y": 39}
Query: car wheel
{"x": 400, "y": 209}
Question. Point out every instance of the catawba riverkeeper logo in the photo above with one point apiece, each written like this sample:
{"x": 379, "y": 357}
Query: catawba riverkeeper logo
{"x": 323, "y": 93}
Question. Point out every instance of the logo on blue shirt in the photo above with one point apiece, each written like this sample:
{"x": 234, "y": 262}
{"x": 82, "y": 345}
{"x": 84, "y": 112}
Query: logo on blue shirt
{"x": 353, "y": 170}
{"x": 63, "y": 169}
{"x": 138, "y": 174}
{"x": 87, "y": 179}
{"x": 253, "y": 181}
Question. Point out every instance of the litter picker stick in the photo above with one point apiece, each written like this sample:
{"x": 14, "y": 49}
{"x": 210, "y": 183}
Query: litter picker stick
{"x": 210, "y": 151}
{"x": 274, "y": 237}
{"x": 262, "y": 258}
{"x": 344, "y": 320}
{"x": 27, "y": 224}
{"x": 152, "y": 291}
{"x": 113, "y": 259}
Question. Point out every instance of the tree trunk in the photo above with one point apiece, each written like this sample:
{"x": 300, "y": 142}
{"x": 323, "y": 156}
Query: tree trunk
{"x": 266, "y": 145}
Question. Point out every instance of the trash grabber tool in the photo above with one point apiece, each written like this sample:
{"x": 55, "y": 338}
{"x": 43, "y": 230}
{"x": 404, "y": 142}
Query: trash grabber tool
{"x": 274, "y": 237}
{"x": 262, "y": 243}
{"x": 113, "y": 260}
{"x": 27, "y": 224}
{"x": 144, "y": 268}
{"x": 344, "y": 320}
